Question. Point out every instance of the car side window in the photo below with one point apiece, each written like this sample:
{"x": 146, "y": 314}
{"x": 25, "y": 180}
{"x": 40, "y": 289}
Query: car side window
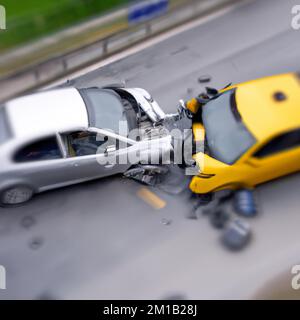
{"x": 84, "y": 143}
{"x": 44, "y": 149}
{"x": 283, "y": 142}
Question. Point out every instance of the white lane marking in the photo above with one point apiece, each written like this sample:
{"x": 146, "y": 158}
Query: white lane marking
{"x": 148, "y": 43}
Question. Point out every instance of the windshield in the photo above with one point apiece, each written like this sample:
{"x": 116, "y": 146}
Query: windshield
{"x": 5, "y": 133}
{"x": 226, "y": 135}
{"x": 106, "y": 110}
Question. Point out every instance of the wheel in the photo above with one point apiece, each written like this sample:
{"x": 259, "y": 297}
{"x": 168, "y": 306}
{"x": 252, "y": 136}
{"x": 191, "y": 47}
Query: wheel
{"x": 16, "y": 195}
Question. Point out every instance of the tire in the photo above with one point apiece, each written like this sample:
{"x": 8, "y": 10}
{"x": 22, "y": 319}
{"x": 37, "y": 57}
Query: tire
{"x": 16, "y": 195}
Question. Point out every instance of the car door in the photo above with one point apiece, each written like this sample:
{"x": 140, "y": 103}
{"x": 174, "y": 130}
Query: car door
{"x": 276, "y": 157}
{"x": 95, "y": 153}
{"x": 39, "y": 163}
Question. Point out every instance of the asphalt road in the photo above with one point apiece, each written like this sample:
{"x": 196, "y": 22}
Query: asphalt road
{"x": 100, "y": 240}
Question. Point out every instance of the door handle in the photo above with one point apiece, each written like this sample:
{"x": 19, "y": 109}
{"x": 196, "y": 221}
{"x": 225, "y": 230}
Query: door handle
{"x": 75, "y": 164}
{"x": 109, "y": 166}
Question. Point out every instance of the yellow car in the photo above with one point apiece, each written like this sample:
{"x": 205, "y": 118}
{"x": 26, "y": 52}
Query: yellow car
{"x": 251, "y": 132}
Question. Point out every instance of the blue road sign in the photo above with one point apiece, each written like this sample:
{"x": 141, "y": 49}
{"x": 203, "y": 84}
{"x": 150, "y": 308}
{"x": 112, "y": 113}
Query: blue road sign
{"x": 147, "y": 10}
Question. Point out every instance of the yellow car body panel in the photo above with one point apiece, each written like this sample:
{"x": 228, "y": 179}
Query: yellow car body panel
{"x": 266, "y": 118}
{"x": 198, "y": 131}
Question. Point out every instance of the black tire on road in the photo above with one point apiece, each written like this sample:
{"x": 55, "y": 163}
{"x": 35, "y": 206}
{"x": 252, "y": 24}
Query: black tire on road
{"x": 16, "y": 195}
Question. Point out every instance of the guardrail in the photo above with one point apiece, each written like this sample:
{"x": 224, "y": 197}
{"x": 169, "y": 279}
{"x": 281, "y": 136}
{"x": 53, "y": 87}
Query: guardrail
{"x": 56, "y": 67}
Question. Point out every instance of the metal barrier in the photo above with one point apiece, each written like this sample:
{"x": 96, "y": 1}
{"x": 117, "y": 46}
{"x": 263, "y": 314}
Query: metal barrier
{"x": 60, "y": 66}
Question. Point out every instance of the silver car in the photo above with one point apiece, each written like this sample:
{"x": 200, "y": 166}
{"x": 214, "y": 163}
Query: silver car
{"x": 60, "y": 137}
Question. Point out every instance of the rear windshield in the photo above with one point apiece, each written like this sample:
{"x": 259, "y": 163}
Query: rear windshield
{"x": 5, "y": 133}
{"x": 105, "y": 108}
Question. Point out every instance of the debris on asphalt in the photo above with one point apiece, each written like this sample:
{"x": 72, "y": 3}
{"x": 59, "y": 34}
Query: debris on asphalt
{"x": 204, "y": 199}
{"x": 192, "y": 214}
{"x": 244, "y": 203}
{"x": 209, "y": 203}
{"x": 147, "y": 174}
{"x": 36, "y": 243}
{"x": 189, "y": 90}
{"x": 219, "y": 218}
{"x": 174, "y": 181}
{"x": 215, "y": 206}
{"x": 223, "y": 195}
{"x": 166, "y": 222}
{"x": 210, "y": 207}
{"x": 237, "y": 235}
{"x": 204, "y": 79}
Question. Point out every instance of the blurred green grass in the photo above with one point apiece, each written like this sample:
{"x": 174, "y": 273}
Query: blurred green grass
{"x": 31, "y": 19}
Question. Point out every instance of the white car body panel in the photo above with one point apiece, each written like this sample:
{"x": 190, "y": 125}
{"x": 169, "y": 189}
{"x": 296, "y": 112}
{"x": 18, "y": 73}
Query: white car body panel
{"x": 147, "y": 103}
{"x": 47, "y": 112}
{"x": 54, "y": 112}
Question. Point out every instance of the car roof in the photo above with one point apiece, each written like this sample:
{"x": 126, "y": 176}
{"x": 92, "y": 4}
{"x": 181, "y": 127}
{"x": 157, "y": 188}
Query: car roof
{"x": 47, "y": 112}
{"x": 263, "y": 114}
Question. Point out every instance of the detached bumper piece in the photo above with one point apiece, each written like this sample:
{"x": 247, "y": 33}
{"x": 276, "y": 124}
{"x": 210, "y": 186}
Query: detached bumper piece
{"x": 236, "y": 236}
{"x": 150, "y": 175}
{"x": 245, "y": 203}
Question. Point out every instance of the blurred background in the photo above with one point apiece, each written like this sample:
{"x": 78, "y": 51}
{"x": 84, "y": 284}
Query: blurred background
{"x": 69, "y": 34}
{"x": 33, "y": 19}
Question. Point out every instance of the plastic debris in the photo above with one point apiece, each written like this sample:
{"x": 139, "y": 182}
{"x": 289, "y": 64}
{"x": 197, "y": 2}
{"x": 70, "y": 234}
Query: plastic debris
{"x": 36, "y": 243}
{"x": 205, "y": 78}
{"x": 204, "y": 199}
{"x": 166, "y": 222}
{"x": 237, "y": 235}
{"x": 147, "y": 174}
{"x": 244, "y": 203}
{"x": 219, "y": 218}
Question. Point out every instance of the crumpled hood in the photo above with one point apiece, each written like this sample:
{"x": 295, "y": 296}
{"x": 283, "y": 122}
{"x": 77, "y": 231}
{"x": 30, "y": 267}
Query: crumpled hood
{"x": 147, "y": 103}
